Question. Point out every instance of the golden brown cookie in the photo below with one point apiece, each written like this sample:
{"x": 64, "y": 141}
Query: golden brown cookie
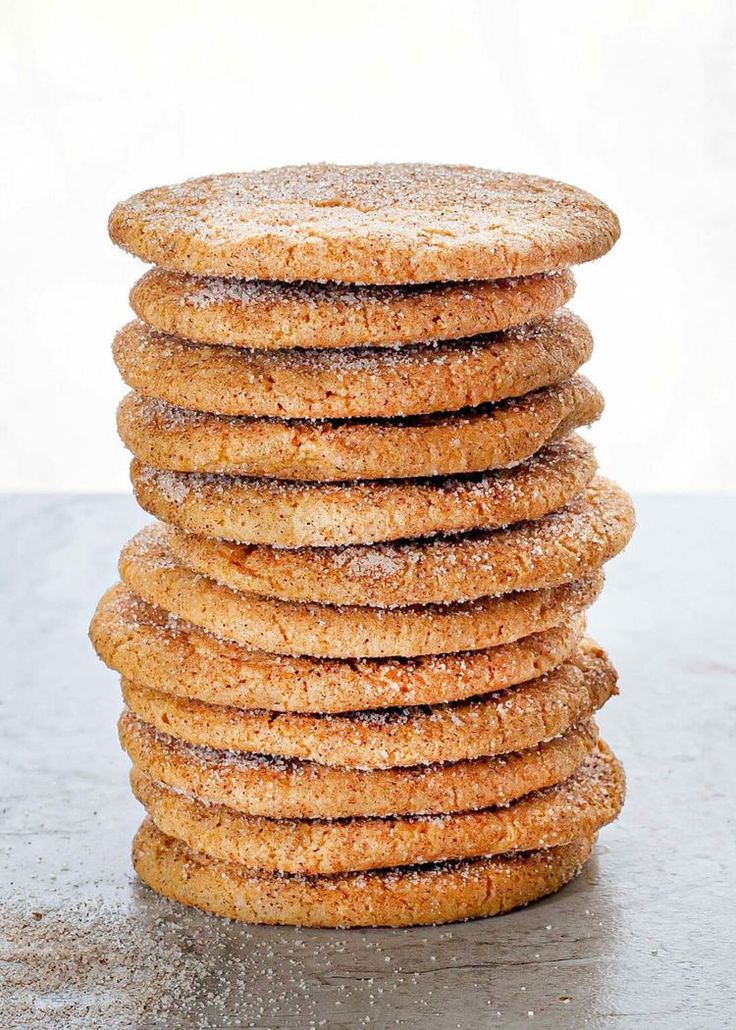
{"x": 579, "y": 806}
{"x": 355, "y": 383}
{"x": 473, "y": 440}
{"x": 263, "y": 511}
{"x": 517, "y": 718}
{"x": 375, "y": 224}
{"x": 408, "y": 896}
{"x": 553, "y": 549}
{"x": 151, "y": 646}
{"x": 279, "y": 788}
{"x": 275, "y": 316}
{"x": 148, "y": 567}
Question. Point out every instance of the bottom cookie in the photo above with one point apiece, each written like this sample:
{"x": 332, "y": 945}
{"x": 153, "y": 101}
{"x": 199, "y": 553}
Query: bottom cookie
{"x": 408, "y": 896}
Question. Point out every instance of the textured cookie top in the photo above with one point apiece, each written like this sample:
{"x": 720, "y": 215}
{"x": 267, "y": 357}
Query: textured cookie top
{"x": 276, "y": 316}
{"x": 373, "y": 224}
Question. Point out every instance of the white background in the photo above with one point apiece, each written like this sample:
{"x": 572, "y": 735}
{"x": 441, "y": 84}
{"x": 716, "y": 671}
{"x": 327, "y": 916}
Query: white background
{"x": 631, "y": 100}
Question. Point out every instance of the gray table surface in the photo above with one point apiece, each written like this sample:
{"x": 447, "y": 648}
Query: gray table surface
{"x": 644, "y": 938}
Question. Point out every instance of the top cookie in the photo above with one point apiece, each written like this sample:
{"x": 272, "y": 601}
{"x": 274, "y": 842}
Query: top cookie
{"x": 373, "y": 224}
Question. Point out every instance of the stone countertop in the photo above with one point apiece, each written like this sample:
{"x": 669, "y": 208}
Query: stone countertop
{"x": 644, "y": 938}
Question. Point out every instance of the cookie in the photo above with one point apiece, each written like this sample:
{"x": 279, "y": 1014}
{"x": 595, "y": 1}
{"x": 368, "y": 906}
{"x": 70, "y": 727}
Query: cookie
{"x": 263, "y": 511}
{"x": 355, "y": 383}
{"x": 148, "y": 567}
{"x": 553, "y": 549}
{"x": 152, "y": 647}
{"x": 408, "y": 896}
{"x": 276, "y": 316}
{"x": 472, "y": 440}
{"x": 279, "y": 788}
{"x": 373, "y": 224}
{"x": 517, "y": 718}
{"x": 578, "y": 807}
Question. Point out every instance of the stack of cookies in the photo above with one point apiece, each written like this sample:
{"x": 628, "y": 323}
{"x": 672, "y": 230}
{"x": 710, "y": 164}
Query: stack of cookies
{"x": 357, "y": 685}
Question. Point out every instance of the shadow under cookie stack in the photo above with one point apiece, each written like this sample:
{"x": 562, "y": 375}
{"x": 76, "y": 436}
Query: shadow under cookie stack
{"x": 357, "y": 685}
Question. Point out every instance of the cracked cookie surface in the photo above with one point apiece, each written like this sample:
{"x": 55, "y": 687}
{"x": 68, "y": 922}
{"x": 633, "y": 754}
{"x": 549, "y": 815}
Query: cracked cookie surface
{"x": 373, "y": 224}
